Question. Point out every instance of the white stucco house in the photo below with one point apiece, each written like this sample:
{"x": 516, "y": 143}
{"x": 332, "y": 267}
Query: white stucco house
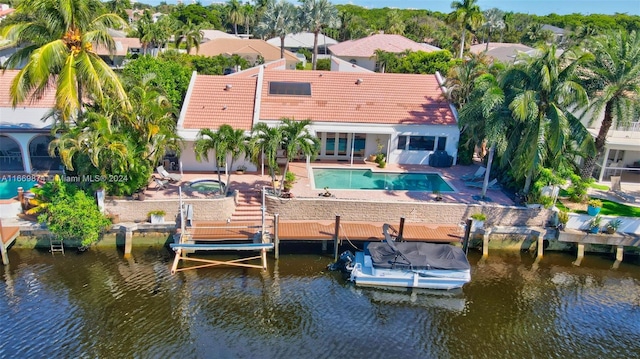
{"x": 352, "y": 113}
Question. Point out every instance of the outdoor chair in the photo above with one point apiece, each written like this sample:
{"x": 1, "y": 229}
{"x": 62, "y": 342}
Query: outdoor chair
{"x": 173, "y": 177}
{"x": 617, "y": 191}
{"x": 493, "y": 184}
{"x": 160, "y": 184}
{"x": 475, "y": 176}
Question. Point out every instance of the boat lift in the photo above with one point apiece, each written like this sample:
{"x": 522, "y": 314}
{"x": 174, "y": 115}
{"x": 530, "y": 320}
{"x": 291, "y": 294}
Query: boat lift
{"x": 186, "y": 243}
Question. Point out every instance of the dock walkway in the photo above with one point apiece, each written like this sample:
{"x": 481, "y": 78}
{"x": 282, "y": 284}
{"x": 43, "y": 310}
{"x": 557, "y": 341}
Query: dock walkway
{"x": 7, "y": 236}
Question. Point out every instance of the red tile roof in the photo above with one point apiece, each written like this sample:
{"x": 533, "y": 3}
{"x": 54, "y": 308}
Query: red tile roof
{"x": 367, "y": 46}
{"x": 242, "y": 47}
{"x": 211, "y": 104}
{"x": 365, "y": 98}
{"x": 6, "y": 78}
{"x": 377, "y": 99}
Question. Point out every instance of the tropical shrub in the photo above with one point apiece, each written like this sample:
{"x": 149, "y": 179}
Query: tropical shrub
{"x": 71, "y": 213}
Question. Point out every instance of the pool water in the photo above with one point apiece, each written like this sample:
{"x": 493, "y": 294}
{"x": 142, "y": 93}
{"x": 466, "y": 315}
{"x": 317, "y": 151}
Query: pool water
{"x": 206, "y": 186}
{"x": 9, "y": 188}
{"x": 367, "y": 179}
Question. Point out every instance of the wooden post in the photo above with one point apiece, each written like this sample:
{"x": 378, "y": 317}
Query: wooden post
{"x": 619, "y": 253}
{"x": 128, "y": 241}
{"x": 580, "y": 254}
{"x": 401, "y": 230}
{"x": 467, "y": 233}
{"x": 3, "y": 250}
{"x": 336, "y": 239}
{"x": 540, "y": 244}
{"x": 276, "y": 238}
{"x": 485, "y": 242}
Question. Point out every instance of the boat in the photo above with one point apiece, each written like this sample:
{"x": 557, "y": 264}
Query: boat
{"x": 409, "y": 265}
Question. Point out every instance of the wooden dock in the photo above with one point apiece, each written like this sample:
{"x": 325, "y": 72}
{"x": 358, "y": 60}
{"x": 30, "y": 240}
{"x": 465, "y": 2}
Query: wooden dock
{"x": 8, "y": 235}
{"x": 617, "y": 240}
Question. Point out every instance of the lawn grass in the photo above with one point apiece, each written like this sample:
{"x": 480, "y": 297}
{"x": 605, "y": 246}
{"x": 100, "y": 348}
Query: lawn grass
{"x": 601, "y": 187}
{"x": 611, "y": 208}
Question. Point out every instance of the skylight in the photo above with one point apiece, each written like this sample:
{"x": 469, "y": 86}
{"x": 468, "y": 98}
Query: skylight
{"x": 290, "y": 88}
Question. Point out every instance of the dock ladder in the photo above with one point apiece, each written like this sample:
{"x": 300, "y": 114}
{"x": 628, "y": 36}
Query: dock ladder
{"x": 56, "y": 245}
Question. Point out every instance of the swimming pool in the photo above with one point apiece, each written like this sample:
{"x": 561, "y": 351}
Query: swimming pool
{"x": 366, "y": 179}
{"x": 9, "y": 187}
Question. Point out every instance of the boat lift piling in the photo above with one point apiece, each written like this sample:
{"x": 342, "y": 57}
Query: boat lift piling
{"x": 467, "y": 234}
{"x": 336, "y": 239}
{"x": 276, "y": 238}
{"x": 400, "y": 230}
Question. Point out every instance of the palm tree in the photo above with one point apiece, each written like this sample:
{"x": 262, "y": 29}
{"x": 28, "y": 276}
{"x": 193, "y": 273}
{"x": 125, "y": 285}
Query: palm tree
{"x": 236, "y": 14}
{"x": 461, "y": 78}
{"x": 296, "y": 141}
{"x": 191, "y": 35}
{"x": 315, "y": 15}
{"x": 265, "y": 143}
{"x": 249, "y": 12}
{"x": 614, "y": 80}
{"x": 466, "y": 13}
{"x": 278, "y": 20}
{"x": 494, "y": 20}
{"x": 228, "y": 145}
{"x": 60, "y": 35}
{"x": 384, "y": 59}
{"x": 540, "y": 94}
{"x": 395, "y": 23}
{"x": 119, "y": 7}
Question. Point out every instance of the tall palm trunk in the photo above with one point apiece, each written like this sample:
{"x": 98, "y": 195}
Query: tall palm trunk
{"x": 464, "y": 32}
{"x": 281, "y": 47}
{"x": 487, "y": 174}
{"x": 605, "y": 126}
{"x": 315, "y": 48}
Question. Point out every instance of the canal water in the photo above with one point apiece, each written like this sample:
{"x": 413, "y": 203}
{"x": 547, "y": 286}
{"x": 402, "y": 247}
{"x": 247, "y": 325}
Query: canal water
{"x": 98, "y": 304}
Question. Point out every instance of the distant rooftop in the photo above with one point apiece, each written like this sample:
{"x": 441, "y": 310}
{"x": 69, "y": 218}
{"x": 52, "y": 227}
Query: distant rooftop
{"x": 367, "y": 46}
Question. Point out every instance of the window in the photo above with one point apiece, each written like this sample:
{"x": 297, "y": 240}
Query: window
{"x": 290, "y": 88}
{"x": 402, "y": 142}
{"x": 422, "y": 143}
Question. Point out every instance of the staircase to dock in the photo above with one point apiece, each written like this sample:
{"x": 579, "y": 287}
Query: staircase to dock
{"x": 248, "y": 208}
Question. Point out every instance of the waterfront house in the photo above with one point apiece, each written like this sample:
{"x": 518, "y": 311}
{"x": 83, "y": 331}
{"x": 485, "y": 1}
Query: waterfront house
{"x": 354, "y": 114}
{"x": 24, "y": 135}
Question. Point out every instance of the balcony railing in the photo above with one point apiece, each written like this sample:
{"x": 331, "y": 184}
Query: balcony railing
{"x": 631, "y": 130}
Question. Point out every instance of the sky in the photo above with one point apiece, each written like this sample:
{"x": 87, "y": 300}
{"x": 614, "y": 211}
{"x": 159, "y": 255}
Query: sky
{"x": 536, "y": 7}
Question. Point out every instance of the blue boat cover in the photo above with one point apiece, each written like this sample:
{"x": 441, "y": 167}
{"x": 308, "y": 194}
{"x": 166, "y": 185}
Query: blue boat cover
{"x": 417, "y": 255}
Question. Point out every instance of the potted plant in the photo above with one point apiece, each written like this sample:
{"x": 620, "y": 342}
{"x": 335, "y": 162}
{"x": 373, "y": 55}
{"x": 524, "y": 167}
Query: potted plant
{"x": 478, "y": 220}
{"x": 372, "y": 157}
{"x": 326, "y": 193}
{"x": 156, "y": 216}
{"x": 289, "y": 180}
{"x": 594, "y": 224}
{"x": 437, "y": 195}
{"x": 563, "y": 218}
{"x": 613, "y": 225}
{"x": 382, "y": 163}
{"x": 241, "y": 169}
{"x": 593, "y": 206}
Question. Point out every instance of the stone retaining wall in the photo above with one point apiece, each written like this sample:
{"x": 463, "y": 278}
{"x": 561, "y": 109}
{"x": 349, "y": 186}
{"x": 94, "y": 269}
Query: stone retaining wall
{"x": 217, "y": 209}
{"x": 423, "y": 212}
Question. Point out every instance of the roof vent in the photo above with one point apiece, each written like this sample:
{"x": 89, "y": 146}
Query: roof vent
{"x": 227, "y": 87}
{"x": 224, "y": 107}
{"x": 359, "y": 81}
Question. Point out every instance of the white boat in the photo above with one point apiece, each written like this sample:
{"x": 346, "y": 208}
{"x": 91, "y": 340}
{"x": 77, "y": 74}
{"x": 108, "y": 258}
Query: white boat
{"x": 410, "y": 265}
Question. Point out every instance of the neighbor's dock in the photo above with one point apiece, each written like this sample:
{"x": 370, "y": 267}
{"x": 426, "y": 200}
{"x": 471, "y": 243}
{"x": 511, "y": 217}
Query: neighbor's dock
{"x": 581, "y": 238}
{"x": 7, "y": 236}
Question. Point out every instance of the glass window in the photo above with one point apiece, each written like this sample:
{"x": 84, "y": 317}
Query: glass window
{"x": 342, "y": 144}
{"x": 402, "y": 142}
{"x": 442, "y": 143}
{"x": 330, "y": 144}
{"x": 422, "y": 143}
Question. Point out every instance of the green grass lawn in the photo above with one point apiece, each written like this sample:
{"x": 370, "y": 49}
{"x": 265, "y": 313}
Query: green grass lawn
{"x": 609, "y": 208}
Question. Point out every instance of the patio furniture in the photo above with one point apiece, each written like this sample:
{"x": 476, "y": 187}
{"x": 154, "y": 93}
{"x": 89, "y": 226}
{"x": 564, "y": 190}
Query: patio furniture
{"x": 493, "y": 184}
{"x": 617, "y": 191}
{"x": 440, "y": 159}
{"x": 478, "y": 175}
{"x": 160, "y": 184}
{"x": 172, "y": 177}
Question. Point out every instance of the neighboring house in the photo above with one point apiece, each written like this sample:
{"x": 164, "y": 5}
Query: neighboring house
{"x": 24, "y": 136}
{"x": 559, "y": 34}
{"x": 501, "y": 51}
{"x": 208, "y": 35}
{"x": 361, "y": 52}
{"x": 621, "y": 155}
{"x": 253, "y": 50}
{"x": 124, "y": 46}
{"x": 351, "y": 113}
{"x": 304, "y": 40}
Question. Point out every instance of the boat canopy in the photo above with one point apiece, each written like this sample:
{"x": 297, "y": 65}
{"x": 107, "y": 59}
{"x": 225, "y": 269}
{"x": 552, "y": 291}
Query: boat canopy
{"x": 417, "y": 255}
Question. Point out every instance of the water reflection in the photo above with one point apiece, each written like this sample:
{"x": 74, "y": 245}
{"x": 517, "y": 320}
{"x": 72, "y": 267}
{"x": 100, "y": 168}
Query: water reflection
{"x": 98, "y": 304}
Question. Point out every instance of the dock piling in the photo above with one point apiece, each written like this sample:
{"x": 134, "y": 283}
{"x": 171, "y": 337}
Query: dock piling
{"x": 336, "y": 239}
{"x": 276, "y": 238}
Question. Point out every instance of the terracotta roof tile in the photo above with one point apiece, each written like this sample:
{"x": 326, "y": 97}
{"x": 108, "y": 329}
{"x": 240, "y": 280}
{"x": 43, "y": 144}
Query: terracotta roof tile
{"x": 212, "y": 104}
{"x": 6, "y": 78}
{"x": 367, "y": 46}
{"x": 241, "y": 47}
{"x": 378, "y": 98}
